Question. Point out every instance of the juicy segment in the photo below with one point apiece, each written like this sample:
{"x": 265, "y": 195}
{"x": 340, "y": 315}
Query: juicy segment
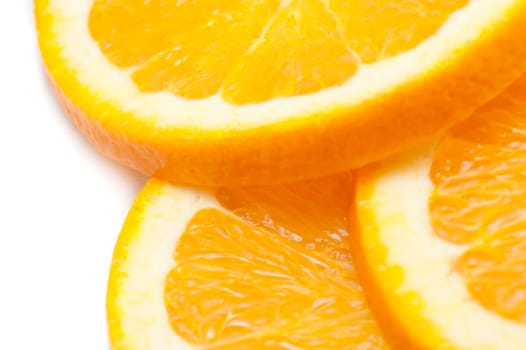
{"x": 479, "y": 173}
{"x": 262, "y": 277}
{"x": 312, "y": 213}
{"x": 251, "y": 51}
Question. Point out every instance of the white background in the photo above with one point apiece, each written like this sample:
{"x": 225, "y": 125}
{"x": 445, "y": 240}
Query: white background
{"x": 61, "y": 207}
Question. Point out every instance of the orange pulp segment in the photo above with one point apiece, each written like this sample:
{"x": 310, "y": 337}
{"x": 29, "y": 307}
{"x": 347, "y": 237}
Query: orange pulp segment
{"x": 252, "y": 51}
{"x": 277, "y": 274}
{"x": 479, "y": 174}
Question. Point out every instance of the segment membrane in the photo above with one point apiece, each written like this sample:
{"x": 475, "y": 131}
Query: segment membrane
{"x": 251, "y": 51}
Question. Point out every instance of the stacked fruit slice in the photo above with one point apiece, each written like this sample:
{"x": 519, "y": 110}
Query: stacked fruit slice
{"x": 238, "y": 97}
{"x": 441, "y": 243}
{"x": 239, "y": 268}
{"x": 254, "y": 92}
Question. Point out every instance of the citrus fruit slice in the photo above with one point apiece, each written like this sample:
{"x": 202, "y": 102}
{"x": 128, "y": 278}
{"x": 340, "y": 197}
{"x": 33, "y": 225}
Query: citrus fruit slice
{"x": 238, "y": 268}
{"x": 254, "y": 92}
{"x": 442, "y": 245}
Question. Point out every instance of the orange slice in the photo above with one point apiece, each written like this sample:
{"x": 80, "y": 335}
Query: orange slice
{"x": 253, "y": 92}
{"x": 442, "y": 243}
{"x": 238, "y": 268}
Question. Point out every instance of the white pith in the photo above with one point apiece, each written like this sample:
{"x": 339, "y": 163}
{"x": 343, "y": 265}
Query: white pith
{"x": 103, "y": 79}
{"x": 400, "y": 206}
{"x": 147, "y": 263}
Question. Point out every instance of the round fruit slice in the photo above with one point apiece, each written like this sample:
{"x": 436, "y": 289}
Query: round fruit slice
{"x": 441, "y": 248}
{"x": 253, "y": 92}
{"x": 238, "y": 268}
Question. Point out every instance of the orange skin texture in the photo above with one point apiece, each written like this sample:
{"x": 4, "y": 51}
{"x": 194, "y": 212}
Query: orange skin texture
{"x": 297, "y": 148}
{"x": 130, "y": 229}
{"x": 408, "y": 330}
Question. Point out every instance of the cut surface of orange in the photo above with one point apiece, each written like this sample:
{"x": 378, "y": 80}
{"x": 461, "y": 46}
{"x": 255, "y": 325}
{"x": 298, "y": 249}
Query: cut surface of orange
{"x": 239, "y": 268}
{"x": 253, "y": 51}
{"x": 247, "y": 92}
{"x": 442, "y": 243}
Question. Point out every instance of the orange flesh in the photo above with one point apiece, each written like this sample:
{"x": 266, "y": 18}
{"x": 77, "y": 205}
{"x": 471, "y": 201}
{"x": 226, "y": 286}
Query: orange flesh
{"x": 276, "y": 273}
{"x": 479, "y": 173}
{"x": 251, "y": 51}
